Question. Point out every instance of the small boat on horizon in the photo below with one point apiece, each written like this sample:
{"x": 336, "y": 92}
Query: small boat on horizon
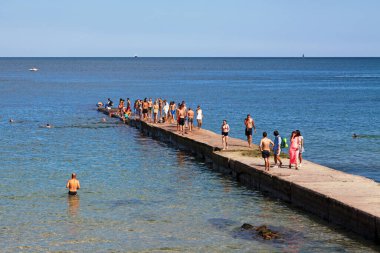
{"x": 34, "y": 69}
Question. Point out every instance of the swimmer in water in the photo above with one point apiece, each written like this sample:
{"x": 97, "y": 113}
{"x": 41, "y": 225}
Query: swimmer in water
{"x": 104, "y": 120}
{"x": 355, "y": 136}
{"x": 11, "y": 120}
{"x": 48, "y": 126}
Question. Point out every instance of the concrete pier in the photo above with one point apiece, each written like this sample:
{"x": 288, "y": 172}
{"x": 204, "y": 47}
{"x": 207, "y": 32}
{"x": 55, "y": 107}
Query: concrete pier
{"x": 350, "y": 201}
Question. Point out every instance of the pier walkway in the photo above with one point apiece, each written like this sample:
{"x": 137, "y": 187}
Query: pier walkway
{"x": 351, "y": 201}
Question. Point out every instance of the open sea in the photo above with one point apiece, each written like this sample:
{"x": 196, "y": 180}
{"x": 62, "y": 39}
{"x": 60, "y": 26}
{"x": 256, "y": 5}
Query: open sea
{"x": 140, "y": 195}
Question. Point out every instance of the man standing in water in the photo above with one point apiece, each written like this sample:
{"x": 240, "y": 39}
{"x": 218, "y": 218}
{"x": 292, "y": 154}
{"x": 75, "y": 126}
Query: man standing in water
{"x": 265, "y": 144}
{"x": 249, "y": 124}
{"x": 73, "y": 184}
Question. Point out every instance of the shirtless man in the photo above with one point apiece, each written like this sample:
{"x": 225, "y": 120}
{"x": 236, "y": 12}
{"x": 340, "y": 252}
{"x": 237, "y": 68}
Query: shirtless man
{"x": 249, "y": 124}
{"x": 150, "y": 108}
{"x": 73, "y": 185}
{"x": 265, "y": 146}
{"x": 181, "y": 120}
{"x": 145, "y": 106}
{"x": 190, "y": 117}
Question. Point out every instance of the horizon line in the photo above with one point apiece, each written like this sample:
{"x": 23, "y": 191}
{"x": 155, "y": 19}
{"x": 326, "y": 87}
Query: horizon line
{"x": 189, "y": 57}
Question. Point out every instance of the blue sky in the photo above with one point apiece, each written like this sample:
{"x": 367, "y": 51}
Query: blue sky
{"x": 190, "y": 28}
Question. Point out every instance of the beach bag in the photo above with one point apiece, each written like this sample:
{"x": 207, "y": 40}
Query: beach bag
{"x": 284, "y": 143}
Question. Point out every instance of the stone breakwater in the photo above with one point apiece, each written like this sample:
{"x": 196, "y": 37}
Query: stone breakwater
{"x": 350, "y": 201}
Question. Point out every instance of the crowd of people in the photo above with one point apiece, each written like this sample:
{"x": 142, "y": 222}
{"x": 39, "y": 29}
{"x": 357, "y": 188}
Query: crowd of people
{"x": 162, "y": 111}
{"x": 159, "y": 111}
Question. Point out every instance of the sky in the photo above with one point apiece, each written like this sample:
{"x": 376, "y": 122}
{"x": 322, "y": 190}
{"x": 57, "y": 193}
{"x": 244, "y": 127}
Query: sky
{"x": 196, "y": 28}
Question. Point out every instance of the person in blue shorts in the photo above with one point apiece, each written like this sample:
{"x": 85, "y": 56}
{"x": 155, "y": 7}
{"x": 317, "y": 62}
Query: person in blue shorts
{"x": 277, "y": 148}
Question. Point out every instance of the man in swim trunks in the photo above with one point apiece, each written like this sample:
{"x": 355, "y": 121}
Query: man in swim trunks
{"x": 181, "y": 118}
{"x": 265, "y": 145}
{"x": 73, "y": 185}
{"x": 249, "y": 124}
{"x": 190, "y": 117}
{"x": 145, "y": 106}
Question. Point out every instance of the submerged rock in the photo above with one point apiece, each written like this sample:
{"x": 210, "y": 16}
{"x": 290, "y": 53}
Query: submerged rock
{"x": 247, "y": 226}
{"x": 263, "y": 231}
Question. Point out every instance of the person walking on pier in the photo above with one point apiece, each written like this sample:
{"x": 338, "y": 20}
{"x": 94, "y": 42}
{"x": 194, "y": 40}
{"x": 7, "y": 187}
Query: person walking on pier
{"x": 277, "y": 148}
{"x": 249, "y": 124}
{"x": 294, "y": 150}
{"x": 225, "y": 130}
{"x": 199, "y": 117}
{"x": 265, "y": 144}
{"x": 73, "y": 185}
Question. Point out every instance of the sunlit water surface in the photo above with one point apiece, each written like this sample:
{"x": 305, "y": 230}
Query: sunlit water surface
{"x": 140, "y": 195}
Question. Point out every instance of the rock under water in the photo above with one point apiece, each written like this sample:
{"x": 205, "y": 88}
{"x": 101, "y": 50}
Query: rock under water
{"x": 263, "y": 231}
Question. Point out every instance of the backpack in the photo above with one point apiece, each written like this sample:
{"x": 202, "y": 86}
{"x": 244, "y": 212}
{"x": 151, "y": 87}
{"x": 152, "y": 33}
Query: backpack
{"x": 284, "y": 143}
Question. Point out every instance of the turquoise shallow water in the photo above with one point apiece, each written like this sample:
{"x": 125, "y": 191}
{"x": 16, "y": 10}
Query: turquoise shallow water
{"x": 140, "y": 195}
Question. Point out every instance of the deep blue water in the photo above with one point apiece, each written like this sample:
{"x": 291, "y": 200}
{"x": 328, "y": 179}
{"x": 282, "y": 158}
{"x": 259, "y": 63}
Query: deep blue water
{"x": 141, "y": 195}
{"x": 328, "y": 99}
